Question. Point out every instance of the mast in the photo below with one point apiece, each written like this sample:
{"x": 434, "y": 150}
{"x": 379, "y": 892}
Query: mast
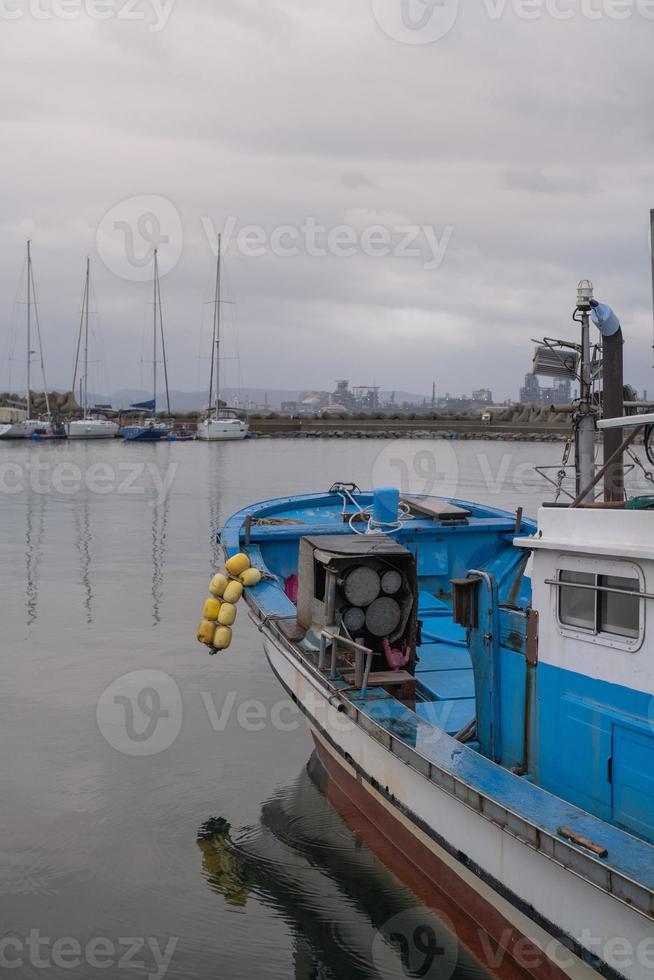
{"x": 85, "y": 395}
{"x": 163, "y": 348}
{"x": 215, "y": 354}
{"x": 31, "y": 299}
{"x": 29, "y": 327}
{"x": 154, "y": 357}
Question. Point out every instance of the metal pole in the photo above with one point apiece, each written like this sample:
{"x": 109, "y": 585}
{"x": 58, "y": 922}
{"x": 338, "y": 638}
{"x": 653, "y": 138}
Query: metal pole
{"x": 154, "y": 359}
{"x": 217, "y": 326}
{"x": 613, "y": 408}
{"x": 585, "y": 491}
{"x": 651, "y": 227}
{"x": 586, "y": 430}
{"x": 85, "y": 406}
{"x": 29, "y": 328}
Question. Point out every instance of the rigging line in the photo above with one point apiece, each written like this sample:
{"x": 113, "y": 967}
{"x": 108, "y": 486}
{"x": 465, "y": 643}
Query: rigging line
{"x": 38, "y": 334}
{"x": 236, "y": 329}
{"x": 13, "y": 332}
{"x": 96, "y": 334}
{"x": 214, "y": 339}
{"x": 163, "y": 346}
{"x": 79, "y": 334}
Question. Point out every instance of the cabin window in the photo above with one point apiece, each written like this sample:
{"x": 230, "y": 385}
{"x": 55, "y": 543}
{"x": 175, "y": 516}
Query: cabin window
{"x": 619, "y": 614}
{"x": 577, "y": 606}
{"x": 600, "y": 603}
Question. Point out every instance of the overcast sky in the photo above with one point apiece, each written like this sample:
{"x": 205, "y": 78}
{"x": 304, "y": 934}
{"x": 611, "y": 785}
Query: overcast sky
{"x": 511, "y": 156}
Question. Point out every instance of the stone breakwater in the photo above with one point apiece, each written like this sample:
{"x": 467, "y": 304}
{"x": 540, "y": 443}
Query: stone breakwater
{"x": 480, "y": 435}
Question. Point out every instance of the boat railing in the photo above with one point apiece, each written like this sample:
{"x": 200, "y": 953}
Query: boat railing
{"x": 361, "y": 653}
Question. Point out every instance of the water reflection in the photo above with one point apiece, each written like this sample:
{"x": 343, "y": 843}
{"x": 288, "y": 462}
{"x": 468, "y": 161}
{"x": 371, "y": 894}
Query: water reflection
{"x": 160, "y": 513}
{"x": 348, "y": 915}
{"x": 83, "y": 539}
{"x": 214, "y": 487}
{"x": 34, "y": 534}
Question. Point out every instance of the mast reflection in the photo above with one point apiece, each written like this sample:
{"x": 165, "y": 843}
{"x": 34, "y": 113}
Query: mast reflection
{"x": 34, "y": 533}
{"x": 160, "y": 513}
{"x": 83, "y": 539}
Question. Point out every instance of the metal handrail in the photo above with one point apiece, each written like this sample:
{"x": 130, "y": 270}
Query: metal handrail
{"x": 598, "y": 588}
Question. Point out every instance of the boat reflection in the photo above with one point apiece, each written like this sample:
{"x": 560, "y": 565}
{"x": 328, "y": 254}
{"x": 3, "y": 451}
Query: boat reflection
{"x": 160, "y": 513}
{"x": 34, "y": 534}
{"x": 348, "y": 914}
{"x": 83, "y": 539}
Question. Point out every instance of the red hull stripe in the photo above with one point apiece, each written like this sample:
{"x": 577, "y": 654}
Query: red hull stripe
{"x": 498, "y": 946}
{"x": 532, "y": 960}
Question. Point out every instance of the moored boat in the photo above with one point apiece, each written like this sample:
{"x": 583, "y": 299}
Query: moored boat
{"x": 152, "y": 428}
{"x": 220, "y": 424}
{"x": 481, "y": 686}
{"x": 149, "y": 430}
{"x": 30, "y": 427}
{"x": 92, "y": 425}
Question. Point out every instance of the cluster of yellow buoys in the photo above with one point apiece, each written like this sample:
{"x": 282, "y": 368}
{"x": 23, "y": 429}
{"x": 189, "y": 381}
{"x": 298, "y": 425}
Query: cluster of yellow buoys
{"x": 219, "y": 614}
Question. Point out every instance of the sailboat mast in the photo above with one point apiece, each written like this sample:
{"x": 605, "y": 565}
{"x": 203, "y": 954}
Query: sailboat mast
{"x": 217, "y": 326}
{"x": 154, "y": 358}
{"x": 163, "y": 348}
{"x": 85, "y": 397}
{"x": 29, "y": 328}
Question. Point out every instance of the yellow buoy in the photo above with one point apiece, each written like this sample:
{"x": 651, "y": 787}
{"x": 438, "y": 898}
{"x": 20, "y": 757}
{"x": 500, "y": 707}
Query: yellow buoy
{"x": 238, "y": 564}
{"x": 222, "y": 638}
{"x": 212, "y": 609}
{"x": 250, "y": 577}
{"x": 206, "y": 632}
{"x": 233, "y": 592}
{"x": 218, "y": 585}
{"x": 227, "y": 616}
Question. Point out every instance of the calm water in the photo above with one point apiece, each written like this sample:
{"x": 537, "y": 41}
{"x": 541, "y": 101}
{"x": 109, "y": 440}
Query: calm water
{"x": 180, "y": 814}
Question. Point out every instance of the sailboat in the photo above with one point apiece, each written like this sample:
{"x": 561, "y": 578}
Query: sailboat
{"x": 220, "y": 424}
{"x": 151, "y": 429}
{"x": 92, "y": 425}
{"x": 28, "y": 427}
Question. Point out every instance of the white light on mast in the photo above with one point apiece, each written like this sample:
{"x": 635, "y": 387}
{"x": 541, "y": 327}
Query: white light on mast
{"x": 584, "y": 294}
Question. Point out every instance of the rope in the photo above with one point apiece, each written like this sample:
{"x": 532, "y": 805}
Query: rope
{"x": 372, "y": 526}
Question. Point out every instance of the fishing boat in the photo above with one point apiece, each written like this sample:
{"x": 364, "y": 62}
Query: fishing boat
{"x": 93, "y": 424}
{"x": 220, "y": 424}
{"x": 151, "y": 428}
{"x": 30, "y": 427}
{"x": 481, "y": 686}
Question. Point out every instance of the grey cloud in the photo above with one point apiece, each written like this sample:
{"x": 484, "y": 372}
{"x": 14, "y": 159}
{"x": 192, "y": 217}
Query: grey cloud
{"x": 538, "y": 157}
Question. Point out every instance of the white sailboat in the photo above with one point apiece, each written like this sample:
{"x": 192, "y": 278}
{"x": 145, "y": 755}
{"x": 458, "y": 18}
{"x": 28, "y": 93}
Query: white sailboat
{"x": 220, "y": 424}
{"x": 92, "y": 425}
{"x": 28, "y": 427}
{"x": 153, "y": 429}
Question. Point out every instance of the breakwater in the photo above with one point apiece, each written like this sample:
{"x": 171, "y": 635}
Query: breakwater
{"x": 387, "y": 428}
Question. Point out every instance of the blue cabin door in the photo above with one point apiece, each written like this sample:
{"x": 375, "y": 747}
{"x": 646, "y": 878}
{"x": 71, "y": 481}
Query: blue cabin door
{"x": 633, "y": 781}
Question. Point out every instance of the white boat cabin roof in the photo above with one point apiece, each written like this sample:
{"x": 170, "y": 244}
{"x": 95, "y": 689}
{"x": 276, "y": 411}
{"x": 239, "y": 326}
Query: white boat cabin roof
{"x": 614, "y": 533}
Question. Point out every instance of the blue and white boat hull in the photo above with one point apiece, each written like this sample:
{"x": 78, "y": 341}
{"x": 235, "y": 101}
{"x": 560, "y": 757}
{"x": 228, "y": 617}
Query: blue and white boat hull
{"x": 148, "y": 432}
{"x": 551, "y": 890}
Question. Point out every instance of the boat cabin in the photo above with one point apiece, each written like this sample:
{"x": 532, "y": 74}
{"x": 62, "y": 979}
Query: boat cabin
{"x": 588, "y": 680}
